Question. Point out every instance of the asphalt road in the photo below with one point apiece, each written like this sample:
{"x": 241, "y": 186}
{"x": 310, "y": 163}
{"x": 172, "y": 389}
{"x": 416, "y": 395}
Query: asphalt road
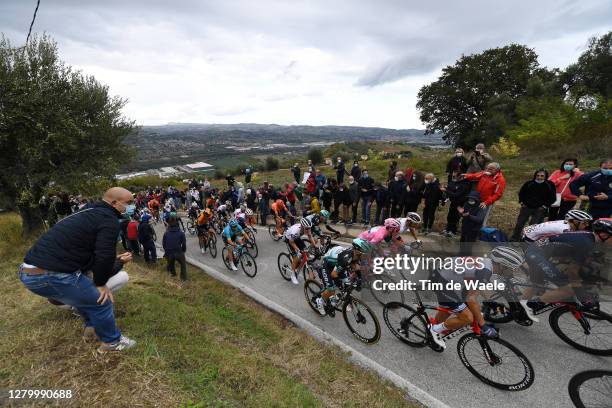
{"x": 442, "y": 375}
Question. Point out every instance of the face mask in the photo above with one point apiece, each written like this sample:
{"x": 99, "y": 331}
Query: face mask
{"x": 351, "y": 181}
{"x": 459, "y": 154}
{"x": 427, "y": 181}
{"x": 568, "y": 167}
{"x": 365, "y": 174}
{"x": 488, "y": 173}
{"x": 471, "y": 202}
{"x": 606, "y": 172}
{"x": 396, "y": 178}
{"x": 539, "y": 181}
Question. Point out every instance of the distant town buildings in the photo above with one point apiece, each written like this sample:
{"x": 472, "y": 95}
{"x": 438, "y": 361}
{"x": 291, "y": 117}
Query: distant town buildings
{"x": 165, "y": 172}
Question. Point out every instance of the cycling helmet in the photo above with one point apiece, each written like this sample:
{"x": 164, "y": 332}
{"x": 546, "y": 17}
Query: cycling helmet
{"x": 362, "y": 245}
{"x": 392, "y": 223}
{"x": 316, "y": 219}
{"x": 507, "y": 256}
{"x": 145, "y": 217}
{"x": 233, "y": 224}
{"x": 172, "y": 214}
{"x": 414, "y": 218}
{"x": 228, "y": 203}
{"x": 242, "y": 207}
{"x": 603, "y": 225}
{"x": 306, "y": 223}
{"x": 279, "y": 202}
{"x": 324, "y": 213}
{"x": 249, "y": 212}
{"x": 578, "y": 215}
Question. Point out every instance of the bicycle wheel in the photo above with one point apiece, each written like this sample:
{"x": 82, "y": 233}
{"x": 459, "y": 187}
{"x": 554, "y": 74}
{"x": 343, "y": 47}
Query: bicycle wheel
{"x": 312, "y": 291}
{"x": 272, "y": 232}
{"x": 495, "y": 362}
{"x": 248, "y": 264}
{"x": 591, "y": 332}
{"x": 405, "y": 323}
{"x": 383, "y": 294}
{"x": 251, "y": 248}
{"x": 591, "y": 388}
{"x": 361, "y": 321}
{"x": 191, "y": 227}
{"x": 212, "y": 247}
{"x": 224, "y": 256}
{"x": 284, "y": 265}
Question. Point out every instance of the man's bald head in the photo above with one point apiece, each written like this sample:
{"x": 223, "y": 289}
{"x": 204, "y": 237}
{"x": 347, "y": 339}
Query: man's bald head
{"x": 119, "y": 198}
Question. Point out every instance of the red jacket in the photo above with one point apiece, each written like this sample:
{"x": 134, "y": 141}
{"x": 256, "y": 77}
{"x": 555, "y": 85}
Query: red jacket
{"x": 491, "y": 188}
{"x": 132, "y": 230}
{"x": 562, "y": 184}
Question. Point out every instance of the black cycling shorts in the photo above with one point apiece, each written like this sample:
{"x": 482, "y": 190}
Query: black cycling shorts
{"x": 299, "y": 242}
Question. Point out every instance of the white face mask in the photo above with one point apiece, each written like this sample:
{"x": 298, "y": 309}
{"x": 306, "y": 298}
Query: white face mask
{"x": 488, "y": 173}
{"x": 396, "y": 178}
{"x": 427, "y": 181}
{"x": 459, "y": 154}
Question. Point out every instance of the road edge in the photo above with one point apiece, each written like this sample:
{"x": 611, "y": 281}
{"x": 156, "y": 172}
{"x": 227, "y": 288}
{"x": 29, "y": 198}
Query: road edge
{"x": 357, "y": 357}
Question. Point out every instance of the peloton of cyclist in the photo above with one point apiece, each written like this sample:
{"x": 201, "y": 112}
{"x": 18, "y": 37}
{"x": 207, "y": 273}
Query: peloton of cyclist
{"x": 575, "y": 220}
{"x": 340, "y": 264}
{"x": 232, "y": 237}
{"x": 574, "y": 246}
{"x": 463, "y": 304}
{"x": 295, "y": 244}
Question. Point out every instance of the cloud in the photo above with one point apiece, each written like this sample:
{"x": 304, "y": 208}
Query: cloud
{"x": 313, "y": 62}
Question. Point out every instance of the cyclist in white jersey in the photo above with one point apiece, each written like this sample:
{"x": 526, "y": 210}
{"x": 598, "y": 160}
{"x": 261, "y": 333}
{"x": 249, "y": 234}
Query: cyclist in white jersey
{"x": 295, "y": 244}
{"x": 575, "y": 220}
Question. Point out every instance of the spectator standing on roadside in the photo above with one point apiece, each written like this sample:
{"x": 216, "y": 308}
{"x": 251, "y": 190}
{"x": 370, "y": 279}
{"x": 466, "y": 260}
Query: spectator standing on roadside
{"x": 597, "y": 190}
{"x": 432, "y": 196}
{"x": 535, "y": 197}
{"x": 478, "y": 160}
{"x": 230, "y": 180}
{"x": 356, "y": 171}
{"x": 565, "y": 199}
{"x": 296, "y": 172}
{"x": 456, "y": 163}
{"x": 248, "y": 173}
{"x": 340, "y": 170}
{"x": 326, "y": 197}
{"x": 354, "y": 195}
{"x": 320, "y": 180}
{"x": 145, "y": 237}
{"x": 491, "y": 185}
{"x": 456, "y": 192}
{"x": 132, "y": 235}
{"x": 56, "y": 266}
{"x": 381, "y": 195}
{"x": 396, "y": 194}
{"x": 343, "y": 201}
{"x": 366, "y": 190}
{"x": 174, "y": 243}
{"x": 472, "y": 216}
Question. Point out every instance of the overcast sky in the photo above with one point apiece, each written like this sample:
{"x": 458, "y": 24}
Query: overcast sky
{"x": 336, "y": 62}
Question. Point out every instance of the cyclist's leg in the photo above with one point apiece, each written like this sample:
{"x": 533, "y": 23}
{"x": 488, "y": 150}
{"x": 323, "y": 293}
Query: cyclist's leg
{"x": 462, "y": 316}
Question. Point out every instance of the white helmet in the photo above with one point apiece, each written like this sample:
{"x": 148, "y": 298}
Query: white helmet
{"x": 507, "y": 256}
{"x": 414, "y": 218}
{"x": 306, "y": 223}
{"x": 249, "y": 212}
{"x": 578, "y": 215}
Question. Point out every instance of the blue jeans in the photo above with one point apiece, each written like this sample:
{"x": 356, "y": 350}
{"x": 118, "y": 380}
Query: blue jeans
{"x": 77, "y": 290}
{"x": 365, "y": 208}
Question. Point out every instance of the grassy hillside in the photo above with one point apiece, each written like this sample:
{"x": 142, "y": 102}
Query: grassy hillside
{"x": 203, "y": 344}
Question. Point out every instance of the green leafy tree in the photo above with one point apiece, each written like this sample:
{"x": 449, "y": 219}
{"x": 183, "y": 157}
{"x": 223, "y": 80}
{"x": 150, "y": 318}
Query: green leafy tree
{"x": 592, "y": 73}
{"x": 57, "y": 127}
{"x": 456, "y": 104}
{"x": 316, "y": 155}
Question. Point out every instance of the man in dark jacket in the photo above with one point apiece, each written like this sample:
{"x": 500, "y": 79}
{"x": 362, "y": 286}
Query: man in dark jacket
{"x": 296, "y": 172}
{"x": 455, "y": 191}
{"x": 340, "y": 170}
{"x": 356, "y": 171}
{"x": 396, "y": 192}
{"x": 366, "y": 191}
{"x": 391, "y": 172}
{"x": 175, "y": 246}
{"x": 432, "y": 195}
{"x": 472, "y": 217}
{"x": 343, "y": 199}
{"x": 597, "y": 189}
{"x": 145, "y": 237}
{"x": 456, "y": 163}
{"x": 354, "y": 195}
{"x": 535, "y": 196}
{"x": 58, "y": 263}
{"x": 230, "y": 180}
{"x": 382, "y": 203}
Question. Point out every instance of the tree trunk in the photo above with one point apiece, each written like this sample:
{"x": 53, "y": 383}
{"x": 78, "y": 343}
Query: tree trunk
{"x": 31, "y": 221}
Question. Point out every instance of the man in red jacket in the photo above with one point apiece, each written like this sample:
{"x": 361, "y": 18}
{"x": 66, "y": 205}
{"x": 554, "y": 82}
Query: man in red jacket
{"x": 491, "y": 186}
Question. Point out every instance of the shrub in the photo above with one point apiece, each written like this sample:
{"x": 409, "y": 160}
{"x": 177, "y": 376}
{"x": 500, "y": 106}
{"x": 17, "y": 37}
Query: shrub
{"x": 505, "y": 148}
